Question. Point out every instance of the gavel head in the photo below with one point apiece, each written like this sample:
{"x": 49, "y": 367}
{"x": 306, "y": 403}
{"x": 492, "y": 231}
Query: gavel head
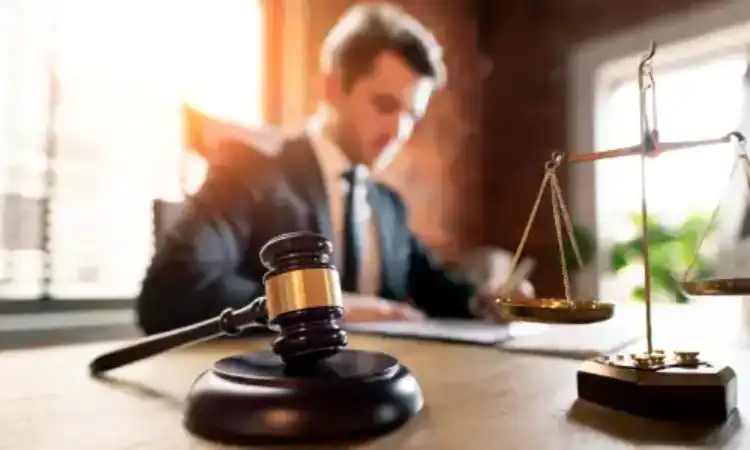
{"x": 303, "y": 297}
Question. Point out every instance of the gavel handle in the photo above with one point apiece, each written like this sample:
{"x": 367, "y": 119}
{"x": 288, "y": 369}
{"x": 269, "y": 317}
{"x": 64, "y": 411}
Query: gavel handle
{"x": 229, "y": 322}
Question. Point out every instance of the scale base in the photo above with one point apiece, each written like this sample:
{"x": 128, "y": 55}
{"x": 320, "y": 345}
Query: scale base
{"x": 255, "y": 398}
{"x": 677, "y": 390}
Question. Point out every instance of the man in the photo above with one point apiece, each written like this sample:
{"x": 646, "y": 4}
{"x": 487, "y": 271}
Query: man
{"x": 380, "y": 68}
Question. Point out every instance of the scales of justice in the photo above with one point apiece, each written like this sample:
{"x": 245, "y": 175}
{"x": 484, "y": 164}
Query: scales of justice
{"x": 677, "y": 385}
{"x": 310, "y": 387}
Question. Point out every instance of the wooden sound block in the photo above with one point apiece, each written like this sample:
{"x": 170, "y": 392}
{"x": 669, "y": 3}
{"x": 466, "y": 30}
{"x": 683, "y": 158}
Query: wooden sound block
{"x": 255, "y": 398}
{"x": 699, "y": 393}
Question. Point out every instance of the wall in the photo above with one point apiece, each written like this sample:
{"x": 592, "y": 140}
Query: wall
{"x": 472, "y": 171}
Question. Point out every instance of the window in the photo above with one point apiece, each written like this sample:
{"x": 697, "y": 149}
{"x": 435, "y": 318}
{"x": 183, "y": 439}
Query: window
{"x": 5, "y": 105}
{"x": 107, "y": 86}
{"x": 703, "y": 100}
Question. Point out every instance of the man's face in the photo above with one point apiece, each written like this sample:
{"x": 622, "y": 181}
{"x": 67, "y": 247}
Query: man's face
{"x": 378, "y": 113}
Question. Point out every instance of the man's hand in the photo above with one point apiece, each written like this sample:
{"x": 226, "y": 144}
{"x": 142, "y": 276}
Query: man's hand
{"x": 487, "y": 308}
{"x": 365, "y": 308}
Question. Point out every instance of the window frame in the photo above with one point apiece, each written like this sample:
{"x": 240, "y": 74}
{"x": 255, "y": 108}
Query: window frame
{"x": 10, "y": 307}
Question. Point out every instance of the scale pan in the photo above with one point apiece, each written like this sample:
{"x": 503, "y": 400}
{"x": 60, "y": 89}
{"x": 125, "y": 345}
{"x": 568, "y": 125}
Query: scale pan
{"x": 717, "y": 286}
{"x": 557, "y": 311}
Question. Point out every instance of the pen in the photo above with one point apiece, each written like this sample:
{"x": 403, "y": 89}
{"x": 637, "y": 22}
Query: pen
{"x": 510, "y": 284}
{"x": 521, "y": 273}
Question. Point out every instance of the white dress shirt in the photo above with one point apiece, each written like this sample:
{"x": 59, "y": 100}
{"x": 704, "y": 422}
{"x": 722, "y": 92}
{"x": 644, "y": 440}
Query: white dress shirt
{"x": 333, "y": 163}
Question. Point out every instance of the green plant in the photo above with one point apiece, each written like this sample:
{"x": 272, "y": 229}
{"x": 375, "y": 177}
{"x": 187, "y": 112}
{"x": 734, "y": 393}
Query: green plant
{"x": 671, "y": 249}
{"x": 586, "y": 246}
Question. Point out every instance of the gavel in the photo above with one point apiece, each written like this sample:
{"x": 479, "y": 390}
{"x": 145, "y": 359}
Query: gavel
{"x": 322, "y": 390}
{"x": 303, "y": 302}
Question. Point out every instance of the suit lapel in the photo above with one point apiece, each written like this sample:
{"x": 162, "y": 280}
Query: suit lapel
{"x": 305, "y": 177}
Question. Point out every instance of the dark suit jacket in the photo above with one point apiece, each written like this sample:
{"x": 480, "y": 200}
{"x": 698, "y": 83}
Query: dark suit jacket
{"x": 208, "y": 260}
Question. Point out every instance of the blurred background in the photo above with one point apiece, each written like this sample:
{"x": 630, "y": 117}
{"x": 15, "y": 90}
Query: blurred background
{"x": 93, "y": 165}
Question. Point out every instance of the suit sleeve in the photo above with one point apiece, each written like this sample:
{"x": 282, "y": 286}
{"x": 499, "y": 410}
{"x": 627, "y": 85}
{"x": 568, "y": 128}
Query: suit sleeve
{"x": 194, "y": 275}
{"x": 434, "y": 289}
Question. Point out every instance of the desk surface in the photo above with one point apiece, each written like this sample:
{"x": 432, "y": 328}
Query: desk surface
{"x": 477, "y": 398}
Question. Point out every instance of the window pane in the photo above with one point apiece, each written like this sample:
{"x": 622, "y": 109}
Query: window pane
{"x": 5, "y": 141}
{"x": 702, "y": 101}
{"x": 25, "y": 121}
{"x": 122, "y": 71}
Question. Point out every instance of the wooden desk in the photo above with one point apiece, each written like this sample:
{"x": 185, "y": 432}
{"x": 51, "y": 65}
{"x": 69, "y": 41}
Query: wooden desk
{"x": 476, "y": 398}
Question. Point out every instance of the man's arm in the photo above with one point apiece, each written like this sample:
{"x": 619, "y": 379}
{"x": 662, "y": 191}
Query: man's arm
{"x": 194, "y": 276}
{"x": 434, "y": 289}
{"x": 443, "y": 293}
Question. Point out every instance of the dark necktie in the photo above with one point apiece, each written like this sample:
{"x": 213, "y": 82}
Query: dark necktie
{"x": 353, "y": 233}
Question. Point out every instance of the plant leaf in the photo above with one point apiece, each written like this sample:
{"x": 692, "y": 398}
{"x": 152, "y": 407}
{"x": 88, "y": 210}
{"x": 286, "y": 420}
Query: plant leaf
{"x": 620, "y": 258}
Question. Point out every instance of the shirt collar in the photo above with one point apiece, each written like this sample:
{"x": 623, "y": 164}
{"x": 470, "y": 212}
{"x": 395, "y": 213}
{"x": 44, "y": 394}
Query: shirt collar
{"x": 333, "y": 161}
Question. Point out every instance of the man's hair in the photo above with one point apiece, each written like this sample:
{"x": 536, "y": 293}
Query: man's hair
{"x": 366, "y": 31}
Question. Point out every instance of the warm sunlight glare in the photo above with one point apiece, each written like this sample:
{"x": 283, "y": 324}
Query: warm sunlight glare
{"x": 124, "y": 69}
{"x": 205, "y": 52}
{"x": 223, "y": 62}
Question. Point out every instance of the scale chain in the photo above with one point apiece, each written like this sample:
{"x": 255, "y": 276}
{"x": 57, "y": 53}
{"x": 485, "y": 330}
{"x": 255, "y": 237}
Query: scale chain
{"x": 530, "y": 222}
{"x": 743, "y": 157}
{"x": 560, "y": 216}
{"x": 555, "y": 184}
{"x": 560, "y": 246}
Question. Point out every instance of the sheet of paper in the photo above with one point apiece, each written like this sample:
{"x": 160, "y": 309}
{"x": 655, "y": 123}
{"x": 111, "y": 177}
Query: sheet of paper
{"x": 566, "y": 341}
{"x": 466, "y": 331}
{"x": 584, "y": 341}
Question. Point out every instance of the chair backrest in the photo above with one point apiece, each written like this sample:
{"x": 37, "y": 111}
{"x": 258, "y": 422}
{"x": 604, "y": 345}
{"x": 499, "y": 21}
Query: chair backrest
{"x": 165, "y": 214}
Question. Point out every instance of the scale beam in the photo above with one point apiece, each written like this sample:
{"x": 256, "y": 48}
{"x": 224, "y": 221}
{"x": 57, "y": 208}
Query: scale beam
{"x": 650, "y": 150}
